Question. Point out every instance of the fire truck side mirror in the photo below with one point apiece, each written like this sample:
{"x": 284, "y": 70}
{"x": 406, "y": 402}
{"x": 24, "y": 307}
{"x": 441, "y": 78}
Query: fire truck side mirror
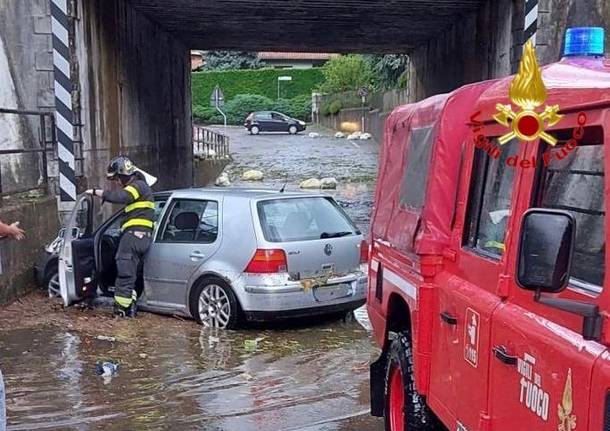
{"x": 545, "y": 250}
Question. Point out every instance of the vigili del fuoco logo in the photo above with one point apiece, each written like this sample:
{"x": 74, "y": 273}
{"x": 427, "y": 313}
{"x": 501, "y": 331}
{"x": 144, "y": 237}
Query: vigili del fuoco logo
{"x": 527, "y": 123}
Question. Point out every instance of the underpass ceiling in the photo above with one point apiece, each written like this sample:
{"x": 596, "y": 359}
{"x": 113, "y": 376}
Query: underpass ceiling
{"x": 305, "y": 25}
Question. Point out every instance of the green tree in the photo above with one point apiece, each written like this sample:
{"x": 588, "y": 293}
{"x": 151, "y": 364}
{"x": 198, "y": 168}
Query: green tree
{"x": 228, "y": 60}
{"x": 389, "y": 70}
{"x": 345, "y": 73}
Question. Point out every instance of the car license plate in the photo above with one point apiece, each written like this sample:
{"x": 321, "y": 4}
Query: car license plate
{"x": 332, "y": 292}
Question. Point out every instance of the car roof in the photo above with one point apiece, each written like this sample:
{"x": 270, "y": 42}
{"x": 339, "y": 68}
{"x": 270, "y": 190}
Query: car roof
{"x": 243, "y": 193}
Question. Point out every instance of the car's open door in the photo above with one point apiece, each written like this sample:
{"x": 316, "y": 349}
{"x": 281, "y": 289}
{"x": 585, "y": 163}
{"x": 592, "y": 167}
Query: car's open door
{"x": 76, "y": 256}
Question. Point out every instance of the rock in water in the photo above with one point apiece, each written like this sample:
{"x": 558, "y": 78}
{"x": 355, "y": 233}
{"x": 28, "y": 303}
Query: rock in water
{"x": 339, "y": 135}
{"x": 314, "y": 135}
{"x": 312, "y": 183}
{"x": 365, "y": 136}
{"x": 253, "y": 175}
{"x": 223, "y": 180}
{"x": 328, "y": 183}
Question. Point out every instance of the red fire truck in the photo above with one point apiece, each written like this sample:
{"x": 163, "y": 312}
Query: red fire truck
{"x": 487, "y": 286}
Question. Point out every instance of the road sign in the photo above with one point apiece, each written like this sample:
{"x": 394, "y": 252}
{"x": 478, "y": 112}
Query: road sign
{"x": 217, "y": 99}
{"x": 363, "y": 92}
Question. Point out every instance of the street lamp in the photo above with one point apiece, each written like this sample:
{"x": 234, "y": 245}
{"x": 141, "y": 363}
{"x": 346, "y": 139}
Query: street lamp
{"x": 282, "y": 78}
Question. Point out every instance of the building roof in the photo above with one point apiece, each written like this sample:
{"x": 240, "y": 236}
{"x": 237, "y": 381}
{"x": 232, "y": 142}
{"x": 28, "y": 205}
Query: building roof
{"x": 296, "y": 55}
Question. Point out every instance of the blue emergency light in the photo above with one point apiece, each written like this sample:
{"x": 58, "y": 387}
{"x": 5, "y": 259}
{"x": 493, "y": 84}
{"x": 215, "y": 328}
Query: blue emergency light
{"x": 584, "y": 41}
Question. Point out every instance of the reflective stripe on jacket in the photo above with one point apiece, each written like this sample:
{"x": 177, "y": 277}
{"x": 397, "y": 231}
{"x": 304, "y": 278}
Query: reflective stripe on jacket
{"x": 139, "y": 204}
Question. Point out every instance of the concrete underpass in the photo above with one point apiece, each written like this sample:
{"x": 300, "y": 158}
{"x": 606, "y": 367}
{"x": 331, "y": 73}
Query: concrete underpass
{"x": 129, "y": 74}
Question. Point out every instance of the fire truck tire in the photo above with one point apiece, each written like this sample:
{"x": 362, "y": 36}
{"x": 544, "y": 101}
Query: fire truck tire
{"x": 405, "y": 409}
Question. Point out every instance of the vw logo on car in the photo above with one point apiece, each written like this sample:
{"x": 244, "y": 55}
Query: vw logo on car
{"x": 328, "y": 249}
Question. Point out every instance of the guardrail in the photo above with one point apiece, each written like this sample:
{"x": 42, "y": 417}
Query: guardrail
{"x": 46, "y": 141}
{"x": 209, "y": 144}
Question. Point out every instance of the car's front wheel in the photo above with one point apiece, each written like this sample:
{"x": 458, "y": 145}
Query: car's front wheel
{"x": 214, "y": 305}
{"x": 255, "y": 130}
{"x": 51, "y": 281}
{"x": 405, "y": 409}
{"x": 293, "y": 130}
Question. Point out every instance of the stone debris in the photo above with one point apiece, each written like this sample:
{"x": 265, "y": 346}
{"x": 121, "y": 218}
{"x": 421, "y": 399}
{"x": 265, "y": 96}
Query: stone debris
{"x": 314, "y": 135}
{"x": 312, "y": 183}
{"x": 354, "y": 136}
{"x": 339, "y": 135}
{"x": 366, "y": 136}
{"x": 223, "y": 180}
{"x": 328, "y": 183}
{"x": 252, "y": 175}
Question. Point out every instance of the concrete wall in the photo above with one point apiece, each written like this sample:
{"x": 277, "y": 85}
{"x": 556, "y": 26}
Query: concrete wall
{"x": 40, "y": 221}
{"x": 135, "y": 94}
{"x": 478, "y": 46}
{"x": 26, "y": 83}
{"x": 555, "y": 16}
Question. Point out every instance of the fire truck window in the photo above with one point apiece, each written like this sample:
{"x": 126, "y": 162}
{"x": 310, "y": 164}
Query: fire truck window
{"x": 490, "y": 200}
{"x": 574, "y": 181}
{"x": 413, "y": 188}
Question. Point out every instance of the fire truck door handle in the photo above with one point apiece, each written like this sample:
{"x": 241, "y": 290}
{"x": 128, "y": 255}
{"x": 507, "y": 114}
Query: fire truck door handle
{"x": 502, "y": 355}
{"x": 448, "y": 318}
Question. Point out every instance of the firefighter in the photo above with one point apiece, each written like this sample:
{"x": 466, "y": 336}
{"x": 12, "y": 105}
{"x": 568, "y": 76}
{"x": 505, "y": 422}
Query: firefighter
{"x": 137, "y": 229}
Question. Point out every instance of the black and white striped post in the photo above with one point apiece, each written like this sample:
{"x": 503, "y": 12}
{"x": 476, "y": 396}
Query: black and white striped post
{"x": 63, "y": 103}
{"x": 531, "y": 21}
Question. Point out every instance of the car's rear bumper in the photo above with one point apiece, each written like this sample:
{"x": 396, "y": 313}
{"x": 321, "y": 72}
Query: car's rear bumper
{"x": 263, "y": 316}
{"x": 275, "y": 296}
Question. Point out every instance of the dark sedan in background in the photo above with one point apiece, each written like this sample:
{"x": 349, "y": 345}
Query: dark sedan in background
{"x": 269, "y": 121}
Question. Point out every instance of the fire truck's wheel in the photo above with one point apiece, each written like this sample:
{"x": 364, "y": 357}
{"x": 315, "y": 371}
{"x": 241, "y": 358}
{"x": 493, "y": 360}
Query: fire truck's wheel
{"x": 405, "y": 409}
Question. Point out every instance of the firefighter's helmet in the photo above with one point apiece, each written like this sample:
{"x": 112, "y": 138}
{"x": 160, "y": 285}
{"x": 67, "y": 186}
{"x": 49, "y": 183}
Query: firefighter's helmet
{"x": 120, "y": 165}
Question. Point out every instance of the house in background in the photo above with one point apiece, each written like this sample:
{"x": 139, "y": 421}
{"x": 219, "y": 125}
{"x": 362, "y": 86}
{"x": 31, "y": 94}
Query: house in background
{"x": 297, "y": 60}
{"x": 277, "y": 60}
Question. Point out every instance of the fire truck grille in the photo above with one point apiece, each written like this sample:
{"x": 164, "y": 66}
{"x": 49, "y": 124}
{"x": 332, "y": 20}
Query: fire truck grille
{"x": 607, "y": 415}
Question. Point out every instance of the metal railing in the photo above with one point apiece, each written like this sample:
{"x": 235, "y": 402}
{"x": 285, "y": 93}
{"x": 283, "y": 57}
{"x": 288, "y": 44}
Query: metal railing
{"x": 209, "y": 144}
{"x": 46, "y": 142}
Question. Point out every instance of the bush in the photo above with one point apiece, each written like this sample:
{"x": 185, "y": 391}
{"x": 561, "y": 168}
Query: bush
{"x": 207, "y": 115}
{"x": 298, "y": 107}
{"x": 238, "y": 108}
{"x": 334, "y": 107}
{"x": 301, "y": 107}
{"x": 324, "y": 110}
{"x": 261, "y": 81}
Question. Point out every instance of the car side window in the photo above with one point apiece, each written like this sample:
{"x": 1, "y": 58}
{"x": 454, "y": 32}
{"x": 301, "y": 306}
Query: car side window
{"x": 263, "y": 117}
{"x": 490, "y": 200}
{"x": 277, "y": 117}
{"x": 190, "y": 221}
{"x": 574, "y": 181}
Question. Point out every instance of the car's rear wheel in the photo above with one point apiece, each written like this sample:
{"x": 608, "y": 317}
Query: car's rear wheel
{"x": 293, "y": 130}
{"x": 214, "y": 305}
{"x": 51, "y": 281}
{"x": 405, "y": 409}
{"x": 255, "y": 130}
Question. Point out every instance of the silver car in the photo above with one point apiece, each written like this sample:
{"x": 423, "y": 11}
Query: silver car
{"x": 226, "y": 255}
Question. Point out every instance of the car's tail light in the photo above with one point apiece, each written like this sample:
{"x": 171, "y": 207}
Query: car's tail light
{"x": 268, "y": 261}
{"x": 364, "y": 252}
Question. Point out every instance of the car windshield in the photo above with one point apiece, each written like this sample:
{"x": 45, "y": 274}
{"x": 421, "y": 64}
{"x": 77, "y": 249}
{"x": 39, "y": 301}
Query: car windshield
{"x": 303, "y": 219}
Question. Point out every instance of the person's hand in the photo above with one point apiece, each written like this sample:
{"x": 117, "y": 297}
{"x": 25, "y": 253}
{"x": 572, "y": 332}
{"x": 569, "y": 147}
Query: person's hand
{"x": 16, "y": 232}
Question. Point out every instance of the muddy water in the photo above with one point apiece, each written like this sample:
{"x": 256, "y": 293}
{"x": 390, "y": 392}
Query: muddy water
{"x": 297, "y": 378}
{"x": 174, "y": 374}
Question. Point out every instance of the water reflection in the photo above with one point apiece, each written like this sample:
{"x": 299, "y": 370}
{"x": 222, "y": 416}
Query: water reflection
{"x": 187, "y": 377}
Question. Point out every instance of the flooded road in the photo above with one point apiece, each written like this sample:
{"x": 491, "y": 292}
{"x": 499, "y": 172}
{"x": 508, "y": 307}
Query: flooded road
{"x": 174, "y": 374}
